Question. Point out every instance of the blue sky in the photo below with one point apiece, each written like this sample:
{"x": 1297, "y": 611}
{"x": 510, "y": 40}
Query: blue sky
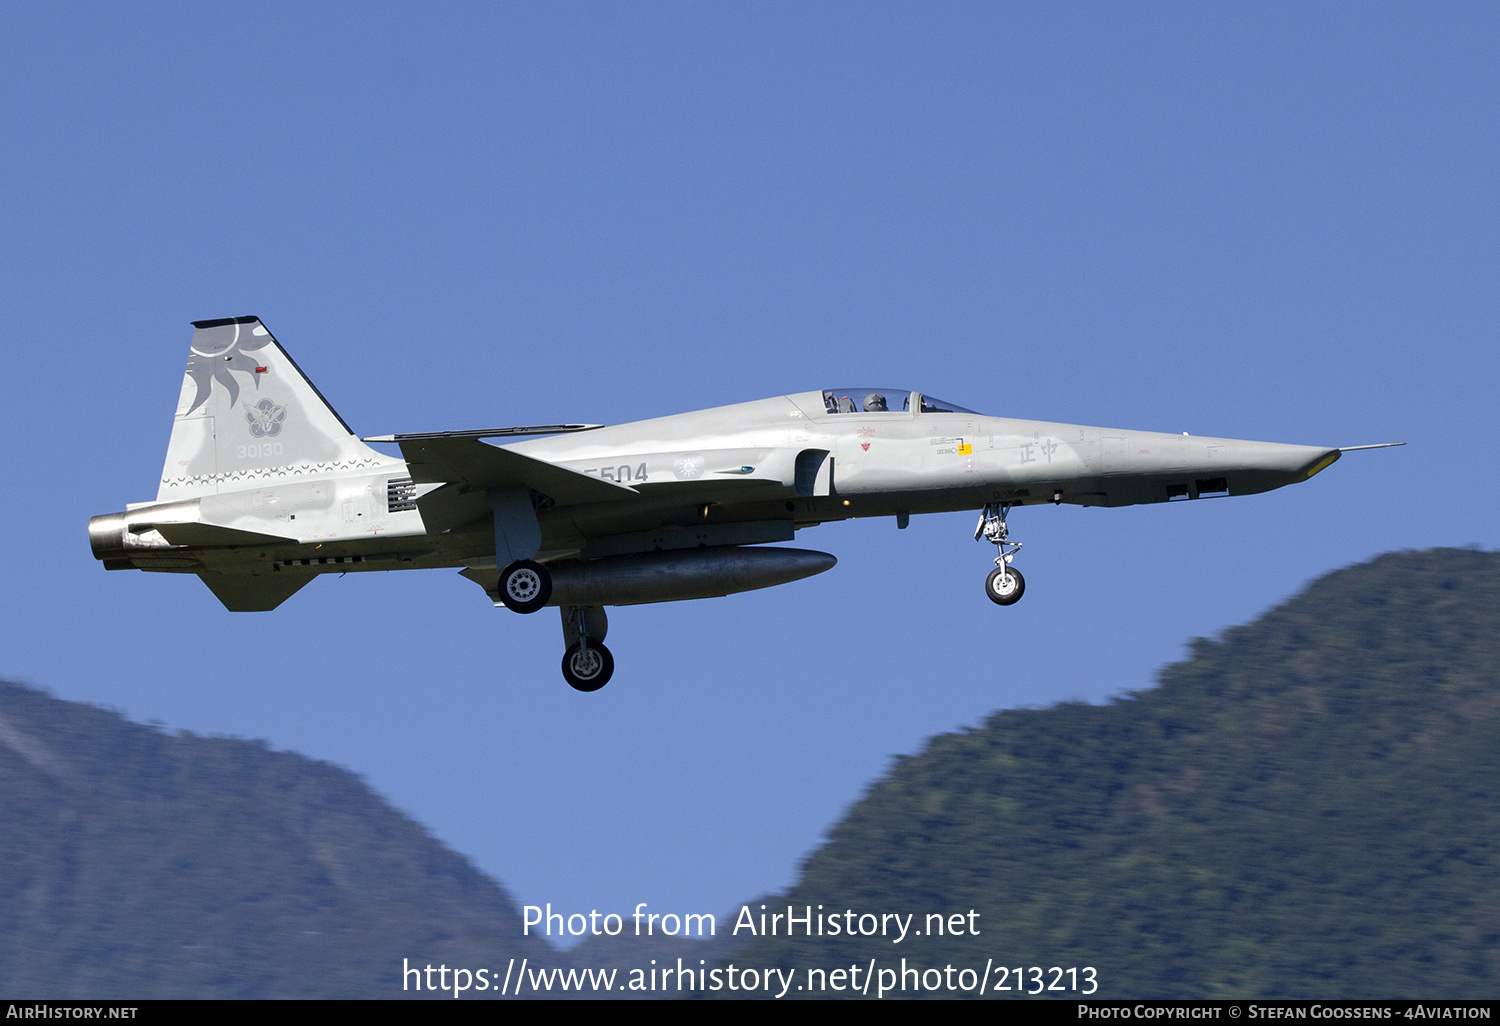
{"x": 1271, "y": 221}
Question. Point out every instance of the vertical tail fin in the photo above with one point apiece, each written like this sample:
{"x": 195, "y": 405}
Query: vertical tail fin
{"x": 248, "y": 414}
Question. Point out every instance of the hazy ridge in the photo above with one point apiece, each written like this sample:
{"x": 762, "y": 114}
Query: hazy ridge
{"x": 136, "y": 863}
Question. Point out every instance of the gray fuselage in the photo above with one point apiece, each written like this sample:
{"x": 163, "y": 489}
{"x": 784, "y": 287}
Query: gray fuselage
{"x": 751, "y": 472}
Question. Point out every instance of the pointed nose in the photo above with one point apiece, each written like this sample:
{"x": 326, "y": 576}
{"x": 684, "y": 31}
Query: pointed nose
{"x": 1297, "y": 462}
{"x": 1262, "y": 466}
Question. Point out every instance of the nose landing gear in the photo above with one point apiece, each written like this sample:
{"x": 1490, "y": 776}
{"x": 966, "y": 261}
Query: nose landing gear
{"x": 1005, "y": 585}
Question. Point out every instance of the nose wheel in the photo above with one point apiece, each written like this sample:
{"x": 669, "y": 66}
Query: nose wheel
{"x": 1004, "y": 585}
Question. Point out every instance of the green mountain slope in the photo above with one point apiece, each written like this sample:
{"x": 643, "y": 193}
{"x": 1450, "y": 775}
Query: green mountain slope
{"x": 138, "y": 864}
{"x": 1309, "y": 806}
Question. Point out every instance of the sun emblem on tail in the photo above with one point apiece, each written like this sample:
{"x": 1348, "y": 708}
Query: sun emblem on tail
{"x": 265, "y": 418}
{"x": 220, "y": 351}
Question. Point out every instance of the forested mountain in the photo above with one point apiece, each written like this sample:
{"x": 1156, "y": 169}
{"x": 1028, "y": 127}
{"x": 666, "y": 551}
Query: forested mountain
{"x": 135, "y": 863}
{"x": 1309, "y": 806}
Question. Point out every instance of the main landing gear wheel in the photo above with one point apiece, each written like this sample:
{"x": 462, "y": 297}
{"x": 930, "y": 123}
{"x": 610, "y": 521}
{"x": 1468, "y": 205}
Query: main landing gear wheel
{"x": 1005, "y": 586}
{"x": 525, "y": 586}
{"x": 588, "y": 669}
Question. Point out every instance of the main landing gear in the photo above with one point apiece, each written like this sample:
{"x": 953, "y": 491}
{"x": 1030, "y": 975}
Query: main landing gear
{"x": 586, "y": 665}
{"x": 1004, "y": 585}
{"x": 525, "y": 586}
{"x": 588, "y": 669}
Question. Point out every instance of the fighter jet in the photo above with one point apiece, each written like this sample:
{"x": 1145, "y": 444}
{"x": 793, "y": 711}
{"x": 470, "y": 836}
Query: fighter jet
{"x": 265, "y": 487}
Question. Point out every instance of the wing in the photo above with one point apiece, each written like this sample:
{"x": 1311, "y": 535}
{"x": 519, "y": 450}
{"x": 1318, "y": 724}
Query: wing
{"x": 467, "y": 466}
{"x": 476, "y": 464}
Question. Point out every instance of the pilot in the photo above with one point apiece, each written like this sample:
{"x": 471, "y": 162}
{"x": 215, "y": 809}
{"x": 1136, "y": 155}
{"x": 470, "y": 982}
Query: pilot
{"x": 875, "y": 403}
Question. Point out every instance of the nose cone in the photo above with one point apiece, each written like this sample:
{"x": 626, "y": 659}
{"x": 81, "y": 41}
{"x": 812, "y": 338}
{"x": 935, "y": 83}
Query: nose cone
{"x": 1262, "y": 466}
{"x": 1301, "y": 461}
{"x": 1323, "y": 462}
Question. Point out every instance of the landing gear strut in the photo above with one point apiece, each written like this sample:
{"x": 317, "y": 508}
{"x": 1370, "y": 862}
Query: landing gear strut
{"x": 1004, "y": 585}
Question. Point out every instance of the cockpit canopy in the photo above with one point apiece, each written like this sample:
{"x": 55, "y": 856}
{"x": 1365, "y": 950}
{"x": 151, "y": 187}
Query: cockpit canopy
{"x": 885, "y": 400}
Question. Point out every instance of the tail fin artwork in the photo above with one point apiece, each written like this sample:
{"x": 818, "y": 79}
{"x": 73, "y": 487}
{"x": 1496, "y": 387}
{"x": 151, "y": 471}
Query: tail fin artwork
{"x": 248, "y": 414}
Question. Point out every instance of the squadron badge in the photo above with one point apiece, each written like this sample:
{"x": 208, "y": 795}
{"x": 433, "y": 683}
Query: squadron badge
{"x": 265, "y": 418}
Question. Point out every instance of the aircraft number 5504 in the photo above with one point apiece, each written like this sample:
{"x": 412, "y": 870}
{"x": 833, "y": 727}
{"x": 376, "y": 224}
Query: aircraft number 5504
{"x": 256, "y": 451}
{"x": 623, "y": 472}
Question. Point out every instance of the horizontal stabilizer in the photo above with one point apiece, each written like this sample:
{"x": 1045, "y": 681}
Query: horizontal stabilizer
{"x": 254, "y": 593}
{"x": 478, "y": 465}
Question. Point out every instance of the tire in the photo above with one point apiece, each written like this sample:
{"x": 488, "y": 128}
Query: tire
{"x": 525, "y": 586}
{"x": 1005, "y": 585}
{"x": 589, "y": 675}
